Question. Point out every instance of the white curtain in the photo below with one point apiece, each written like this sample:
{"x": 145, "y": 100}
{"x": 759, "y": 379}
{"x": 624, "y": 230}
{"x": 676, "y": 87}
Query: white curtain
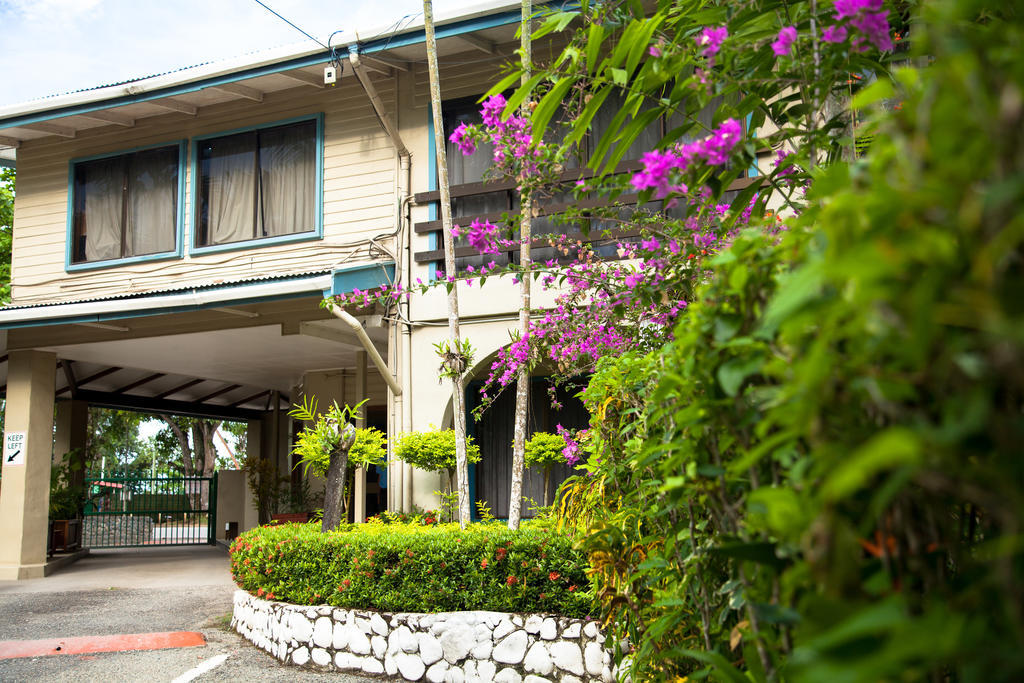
{"x": 152, "y": 201}
{"x": 230, "y": 192}
{"x": 100, "y": 183}
{"x": 287, "y": 179}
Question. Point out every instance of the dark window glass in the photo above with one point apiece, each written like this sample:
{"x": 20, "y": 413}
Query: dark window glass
{"x": 125, "y": 205}
{"x": 257, "y": 184}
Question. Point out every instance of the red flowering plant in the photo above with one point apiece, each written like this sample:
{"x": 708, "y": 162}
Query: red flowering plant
{"x": 416, "y": 568}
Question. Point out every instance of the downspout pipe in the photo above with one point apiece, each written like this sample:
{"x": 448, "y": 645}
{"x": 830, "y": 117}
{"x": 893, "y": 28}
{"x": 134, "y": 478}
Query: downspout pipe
{"x": 403, "y": 482}
{"x": 367, "y": 344}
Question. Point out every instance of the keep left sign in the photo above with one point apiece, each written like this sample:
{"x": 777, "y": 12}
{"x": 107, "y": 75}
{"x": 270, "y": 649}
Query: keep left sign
{"x": 14, "y": 448}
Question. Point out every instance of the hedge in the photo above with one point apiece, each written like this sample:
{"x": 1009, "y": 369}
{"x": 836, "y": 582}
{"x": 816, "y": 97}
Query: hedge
{"x": 415, "y": 568}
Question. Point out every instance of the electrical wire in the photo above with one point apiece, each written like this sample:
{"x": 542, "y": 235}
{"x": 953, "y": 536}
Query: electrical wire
{"x": 282, "y": 18}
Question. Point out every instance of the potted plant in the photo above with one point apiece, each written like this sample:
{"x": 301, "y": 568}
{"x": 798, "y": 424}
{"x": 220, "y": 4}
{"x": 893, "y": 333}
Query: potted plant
{"x": 67, "y": 496}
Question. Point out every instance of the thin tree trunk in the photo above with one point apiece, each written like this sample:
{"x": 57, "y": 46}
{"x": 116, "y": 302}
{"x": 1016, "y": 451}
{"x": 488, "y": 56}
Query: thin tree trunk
{"x": 459, "y": 414}
{"x": 336, "y": 472}
{"x": 547, "y": 484}
{"x": 515, "y": 502}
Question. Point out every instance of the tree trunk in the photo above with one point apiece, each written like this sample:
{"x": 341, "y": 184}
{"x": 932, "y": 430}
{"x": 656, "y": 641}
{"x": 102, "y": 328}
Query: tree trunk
{"x": 515, "y": 501}
{"x": 459, "y": 414}
{"x": 547, "y": 484}
{"x": 336, "y": 472}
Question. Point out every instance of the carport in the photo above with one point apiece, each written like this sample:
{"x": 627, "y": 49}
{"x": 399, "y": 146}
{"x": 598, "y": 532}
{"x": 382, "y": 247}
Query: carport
{"x": 241, "y": 351}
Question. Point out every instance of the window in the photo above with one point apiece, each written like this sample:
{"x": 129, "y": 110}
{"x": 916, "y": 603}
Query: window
{"x": 257, "y": 184}
{"x": 126, "y": 205}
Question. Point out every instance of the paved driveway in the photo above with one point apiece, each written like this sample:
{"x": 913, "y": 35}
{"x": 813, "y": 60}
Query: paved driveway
{"x": 140, "y": 591}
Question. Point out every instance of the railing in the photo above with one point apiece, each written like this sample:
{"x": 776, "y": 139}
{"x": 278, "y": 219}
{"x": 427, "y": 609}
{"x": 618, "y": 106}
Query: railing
{"x": 507, "y": 191}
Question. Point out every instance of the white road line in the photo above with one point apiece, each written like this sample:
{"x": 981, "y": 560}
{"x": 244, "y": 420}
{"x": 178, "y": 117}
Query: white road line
{"x": 208, "y": 665}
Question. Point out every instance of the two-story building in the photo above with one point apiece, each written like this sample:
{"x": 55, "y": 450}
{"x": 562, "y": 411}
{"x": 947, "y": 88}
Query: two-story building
{"x": 175, "y": 235}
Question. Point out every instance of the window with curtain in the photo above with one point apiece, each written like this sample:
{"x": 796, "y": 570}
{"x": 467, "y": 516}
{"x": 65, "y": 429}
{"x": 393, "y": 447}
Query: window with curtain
{"x": 125, "y": 205}
{"x": 257, "y": 184}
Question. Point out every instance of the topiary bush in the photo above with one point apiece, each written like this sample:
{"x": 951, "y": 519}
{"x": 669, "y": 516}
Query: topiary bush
{"x": 415, "y": 568}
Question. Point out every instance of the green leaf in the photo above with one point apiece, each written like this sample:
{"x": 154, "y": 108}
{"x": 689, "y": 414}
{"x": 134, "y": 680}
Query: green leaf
{"x": 716, "y": 660}
{"x": 521, "y": 93}
{"x": 549, "y": 104}
{"x": 554, "y": 24}
{"x": 732, "y": 373}
{"x": 595, "y": 39}
{"x": 879, "y": 90}
{"x": 504, "y": 84}
{"x": 888, "y": 450}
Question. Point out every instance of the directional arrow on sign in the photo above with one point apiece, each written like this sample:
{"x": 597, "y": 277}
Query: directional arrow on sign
{"x": 13, "y": 455}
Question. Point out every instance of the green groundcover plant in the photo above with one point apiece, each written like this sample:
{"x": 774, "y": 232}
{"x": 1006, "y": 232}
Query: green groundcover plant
{"x": 415, "y": 568}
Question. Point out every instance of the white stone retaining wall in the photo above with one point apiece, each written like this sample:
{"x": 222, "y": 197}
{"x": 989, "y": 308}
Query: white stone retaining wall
{"x": 449, "y": 646}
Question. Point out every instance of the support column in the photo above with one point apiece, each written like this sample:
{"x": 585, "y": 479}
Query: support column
{"x": 28, "y": 449}
{"x": 253, "y": 436}
{"x": 69, "y": 436}
{"x": 359, "y": 508}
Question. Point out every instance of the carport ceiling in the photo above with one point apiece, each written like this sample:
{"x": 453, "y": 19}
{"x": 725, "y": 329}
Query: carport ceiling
{"x": 222, "y": 372}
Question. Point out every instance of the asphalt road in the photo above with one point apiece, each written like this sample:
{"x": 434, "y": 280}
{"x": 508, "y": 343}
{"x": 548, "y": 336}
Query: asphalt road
{"x": 154, "y": 590}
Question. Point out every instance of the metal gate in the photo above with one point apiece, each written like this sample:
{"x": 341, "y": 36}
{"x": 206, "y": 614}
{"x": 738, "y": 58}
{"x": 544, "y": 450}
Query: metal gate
{"x": 131, "y": 512}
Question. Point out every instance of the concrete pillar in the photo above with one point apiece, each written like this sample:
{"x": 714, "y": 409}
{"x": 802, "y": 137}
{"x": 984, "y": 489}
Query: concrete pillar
{"x": 251, "y": 514}
{"x": 359, "y": 506}
{"x": 69, "y": 436}
{"x": 28, "y": 449}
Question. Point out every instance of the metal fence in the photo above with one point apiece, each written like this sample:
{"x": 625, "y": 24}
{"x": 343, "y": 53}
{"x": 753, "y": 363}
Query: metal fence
{"x": 127, "y": 512}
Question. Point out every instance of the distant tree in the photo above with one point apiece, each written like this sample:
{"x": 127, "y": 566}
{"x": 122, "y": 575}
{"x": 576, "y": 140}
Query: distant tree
{"x": 6, "y": 231}
{"x": 112, "y": 441}
{"x": 194, "y": 439}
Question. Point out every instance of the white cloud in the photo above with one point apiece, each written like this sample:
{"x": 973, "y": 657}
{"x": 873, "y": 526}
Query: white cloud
{"x": 51, "y": 11}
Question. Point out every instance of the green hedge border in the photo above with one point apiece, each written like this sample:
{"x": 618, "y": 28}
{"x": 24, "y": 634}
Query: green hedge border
{"x": 413, "y": 568}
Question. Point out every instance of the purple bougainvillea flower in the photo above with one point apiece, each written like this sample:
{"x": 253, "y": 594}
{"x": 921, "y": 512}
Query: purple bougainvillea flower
{"x": 710, "y": 40}
{"x": 834, "y": 34}
{"x": 783, "y": 44}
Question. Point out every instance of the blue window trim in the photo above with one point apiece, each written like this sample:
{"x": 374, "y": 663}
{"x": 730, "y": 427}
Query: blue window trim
{"x": 179, "y": 237}
{"x": 318, "y": 209}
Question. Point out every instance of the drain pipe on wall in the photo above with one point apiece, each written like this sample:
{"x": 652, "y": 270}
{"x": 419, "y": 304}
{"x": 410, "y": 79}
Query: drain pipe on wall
{"x": 401, "y": 474}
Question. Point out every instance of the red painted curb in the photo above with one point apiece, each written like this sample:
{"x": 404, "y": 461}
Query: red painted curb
{"x": 13, "y": 649}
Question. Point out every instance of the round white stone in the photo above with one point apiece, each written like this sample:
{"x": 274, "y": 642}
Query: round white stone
{"x": 508, "y": 676}
{"x": 323, "y": 632}
{"x": 390, "y": 665}
{"x": 301, "y": 628}
{"x": 372, "y": 666}
{"x": 485, "y": 670}
{"x": 410, "y": 666}
{"x": 379, "y": 646}
{"x": 533, "y": 623}
{"x": 358, "y": 643}
{"x": 456, "y": 643}
{"x": 593, "y": 656}
{"x": 549, "y": 629}
{"x": 572, "y": 630}
{"x": 343, "y": 660}
{"x": 536, "y": 679}
{"x": 512, "y": 649}
{"x": 567, "y": 656}
{"x": 406, "y": 640}
{"x": 538, "y": 660}
{"x": 503, "y": 628}
{"x": 430, "y": 649}
{"x": 379, "y": 626}
{"x": 300, "y": 656}
{"x": 482, "y": 650}
{"x": 570, "y": 679}
{"x": 436, "y": 673}
{"x": 321, "y": 657}
{"x": 590, "y": 630}
{"x": 339, "y": 638}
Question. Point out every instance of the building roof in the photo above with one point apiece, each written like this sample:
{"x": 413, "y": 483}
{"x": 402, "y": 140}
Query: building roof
{"x": 248, "y": 76}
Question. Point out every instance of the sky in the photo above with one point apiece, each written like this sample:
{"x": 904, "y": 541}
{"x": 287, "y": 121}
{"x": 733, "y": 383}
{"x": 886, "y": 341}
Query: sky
{"x": 49, "y": 47}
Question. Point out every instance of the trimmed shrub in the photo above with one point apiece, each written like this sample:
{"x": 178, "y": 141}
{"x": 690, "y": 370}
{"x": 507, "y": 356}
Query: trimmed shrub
{"x": 414, "y": 568}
